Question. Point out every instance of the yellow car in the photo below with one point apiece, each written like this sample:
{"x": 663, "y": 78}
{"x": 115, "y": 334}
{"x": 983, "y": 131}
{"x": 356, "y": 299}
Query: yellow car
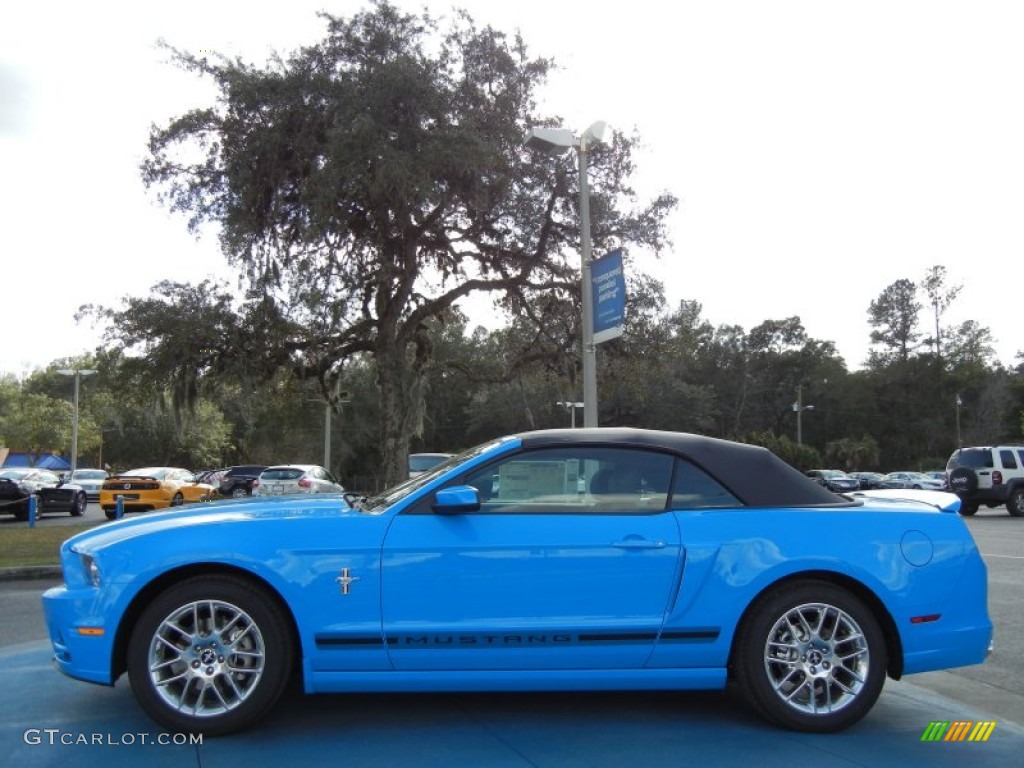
{"x": 151, "y": 488}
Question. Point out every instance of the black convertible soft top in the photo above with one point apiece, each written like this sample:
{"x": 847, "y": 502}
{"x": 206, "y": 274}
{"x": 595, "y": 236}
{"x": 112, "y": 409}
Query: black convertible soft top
{"x": 753, "y": 474}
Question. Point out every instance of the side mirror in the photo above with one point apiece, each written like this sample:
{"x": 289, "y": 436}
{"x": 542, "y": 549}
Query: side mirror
{"x": 456, "y": 500}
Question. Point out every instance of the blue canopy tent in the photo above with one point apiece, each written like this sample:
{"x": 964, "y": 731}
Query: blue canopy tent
{"x": 46, "y": 461}
{"x": 53, "y": 462}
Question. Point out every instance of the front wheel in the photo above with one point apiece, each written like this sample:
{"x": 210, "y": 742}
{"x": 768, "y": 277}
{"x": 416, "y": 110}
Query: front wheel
{"x": 178, "y": 500}
{"x": 78, "y": 505}
{"x": 810, "y": 657}
{"x": 210, "y": 655}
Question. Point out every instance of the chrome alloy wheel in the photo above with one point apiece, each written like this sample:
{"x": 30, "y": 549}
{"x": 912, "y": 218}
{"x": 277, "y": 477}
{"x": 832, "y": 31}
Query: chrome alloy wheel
{"x": 817, "y": 658}
{"x": 206, "y": 658}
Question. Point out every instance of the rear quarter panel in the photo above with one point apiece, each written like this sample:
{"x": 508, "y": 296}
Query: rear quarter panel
{"x": 916, "y": 562}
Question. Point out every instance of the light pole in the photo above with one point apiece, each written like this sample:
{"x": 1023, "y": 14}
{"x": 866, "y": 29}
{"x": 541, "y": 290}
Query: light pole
{"x": 342, "y": 399}
{"x": 78, "y": 373}
{"x": 799, "y": 407}
{"x": 571, "y": 407}
{"x": 554, "y": 141}
{"x": 959, "y": 440}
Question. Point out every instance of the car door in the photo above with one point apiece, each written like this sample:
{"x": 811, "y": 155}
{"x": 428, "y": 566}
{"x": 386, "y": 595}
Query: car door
{"x": 570, "y": 562}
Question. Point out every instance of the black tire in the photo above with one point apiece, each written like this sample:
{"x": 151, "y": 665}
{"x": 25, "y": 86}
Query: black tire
{"x": 822, "y": 681}
{"x": 239, "y": 492}
{"x": 21, "y": 514}
{"x": 218, "y": 692}
{"x": 1015, "y": 503}
{"x": 968, "y": 508}
{"x": 78, "y": 505}
{"x": 110, "y": 513}
{"x": 963, "y": 480}
{"x": 178, "y": 500}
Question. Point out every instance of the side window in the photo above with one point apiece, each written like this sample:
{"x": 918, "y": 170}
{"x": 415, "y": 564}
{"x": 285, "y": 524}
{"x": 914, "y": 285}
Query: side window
{"x": 693, "y": 488}
{"x": 575, "y": 480}
{"x": 1007, "y": 458}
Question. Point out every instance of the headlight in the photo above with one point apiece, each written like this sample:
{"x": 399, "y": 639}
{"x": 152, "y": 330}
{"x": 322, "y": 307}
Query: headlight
{"x": 90, "y": 569}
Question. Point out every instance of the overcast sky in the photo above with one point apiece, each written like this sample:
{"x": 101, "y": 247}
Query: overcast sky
{"x": 820, "y": 150}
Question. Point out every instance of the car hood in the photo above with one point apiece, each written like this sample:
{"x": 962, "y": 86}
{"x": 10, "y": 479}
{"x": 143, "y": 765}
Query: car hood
{"x": 248, "y": 511}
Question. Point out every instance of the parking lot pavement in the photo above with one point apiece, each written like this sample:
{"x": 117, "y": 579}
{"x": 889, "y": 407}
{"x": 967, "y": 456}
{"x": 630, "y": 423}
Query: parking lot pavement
{"x": 47, "y": 719}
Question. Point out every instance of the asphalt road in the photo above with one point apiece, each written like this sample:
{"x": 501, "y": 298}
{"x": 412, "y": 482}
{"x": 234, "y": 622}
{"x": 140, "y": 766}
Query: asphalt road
{"x": 93, "y": 514}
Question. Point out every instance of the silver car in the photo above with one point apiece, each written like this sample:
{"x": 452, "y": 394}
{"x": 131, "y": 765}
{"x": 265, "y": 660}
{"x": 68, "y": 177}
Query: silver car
{"x": 285, "y": 479}
{"x": 91, "y": 480}
{"x": 914, "y": 480}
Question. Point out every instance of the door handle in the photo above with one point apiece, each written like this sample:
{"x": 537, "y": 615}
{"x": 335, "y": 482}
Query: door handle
{"x": 637, "y": 542}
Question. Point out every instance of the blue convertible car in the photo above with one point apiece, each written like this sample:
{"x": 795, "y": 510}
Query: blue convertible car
{"x": 556, "y": 560}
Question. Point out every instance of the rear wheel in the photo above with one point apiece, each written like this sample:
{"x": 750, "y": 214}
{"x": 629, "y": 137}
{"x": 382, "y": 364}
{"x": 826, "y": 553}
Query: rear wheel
{"x": 211, "y": 654}
{"x": 238, "y": 492}
{"x": 968, "y": 508}
{"x": 810, "y": 656}
{"x": 1015, "y": 504}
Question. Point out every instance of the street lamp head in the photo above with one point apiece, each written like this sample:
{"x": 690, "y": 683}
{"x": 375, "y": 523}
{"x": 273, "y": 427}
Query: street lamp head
{"x": 550, "y": 141}
{"x": 595, "y": 133}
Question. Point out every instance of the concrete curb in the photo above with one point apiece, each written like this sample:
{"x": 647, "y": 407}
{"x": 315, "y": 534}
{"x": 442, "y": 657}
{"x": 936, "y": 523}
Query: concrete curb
{"x": 29, "y": 572}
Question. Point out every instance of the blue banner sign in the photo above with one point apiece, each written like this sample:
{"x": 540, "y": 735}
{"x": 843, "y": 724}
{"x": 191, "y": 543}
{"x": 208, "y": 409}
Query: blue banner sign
{"x": 608, "y": 288}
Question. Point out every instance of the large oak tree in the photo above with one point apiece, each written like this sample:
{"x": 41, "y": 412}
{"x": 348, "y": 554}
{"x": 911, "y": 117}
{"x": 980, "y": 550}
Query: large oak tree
{"x": 367, "y": 183}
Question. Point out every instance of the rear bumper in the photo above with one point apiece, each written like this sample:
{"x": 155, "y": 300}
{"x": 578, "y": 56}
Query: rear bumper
{"x": 997, "y": 494}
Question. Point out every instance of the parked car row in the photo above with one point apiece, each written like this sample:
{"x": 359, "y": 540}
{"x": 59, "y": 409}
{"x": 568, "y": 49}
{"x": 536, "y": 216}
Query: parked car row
{"x": 151, "y": 488}
{"x": 838, "y": 481}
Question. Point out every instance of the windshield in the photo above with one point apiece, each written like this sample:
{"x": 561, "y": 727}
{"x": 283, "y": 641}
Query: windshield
{"x": 282, "y": 473}
{"x": 377, "y": 504}
{"x": 421, "y": 462}
{"x": 157, "y": 473}
{"x": 968, "y": 457}
{"x": 89, "y": 474}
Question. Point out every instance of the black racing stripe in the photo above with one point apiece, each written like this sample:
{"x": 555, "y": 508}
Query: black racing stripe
{"x": 510, "y": 639}
{"x": 690, "y": 635}
{"x": 342, "y": 641}
{"x": 619, "y": 637}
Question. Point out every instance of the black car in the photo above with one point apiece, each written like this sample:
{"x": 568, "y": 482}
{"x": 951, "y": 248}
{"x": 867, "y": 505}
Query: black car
{"x": 19, "y": 485}
{"x": 835, "y": 480}
{"x": 870, "y": 481}
{"x": 236, "y": 482}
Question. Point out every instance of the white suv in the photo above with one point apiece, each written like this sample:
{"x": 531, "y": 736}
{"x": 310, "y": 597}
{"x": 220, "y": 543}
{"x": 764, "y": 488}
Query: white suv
{"x": 990, "y": 475}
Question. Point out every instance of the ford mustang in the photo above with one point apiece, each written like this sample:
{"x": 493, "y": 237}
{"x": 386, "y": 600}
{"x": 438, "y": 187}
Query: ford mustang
{"x": 151, "y": 488}
{"x": 18, "y": 485}
{"x": 587, "y": 559}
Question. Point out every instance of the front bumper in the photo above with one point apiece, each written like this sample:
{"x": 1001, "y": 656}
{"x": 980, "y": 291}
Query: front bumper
{"x": 82, "y": 643}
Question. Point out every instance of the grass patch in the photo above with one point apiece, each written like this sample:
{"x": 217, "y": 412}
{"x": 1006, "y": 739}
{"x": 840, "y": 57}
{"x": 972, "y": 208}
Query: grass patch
{"x": 21, "y": 546}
